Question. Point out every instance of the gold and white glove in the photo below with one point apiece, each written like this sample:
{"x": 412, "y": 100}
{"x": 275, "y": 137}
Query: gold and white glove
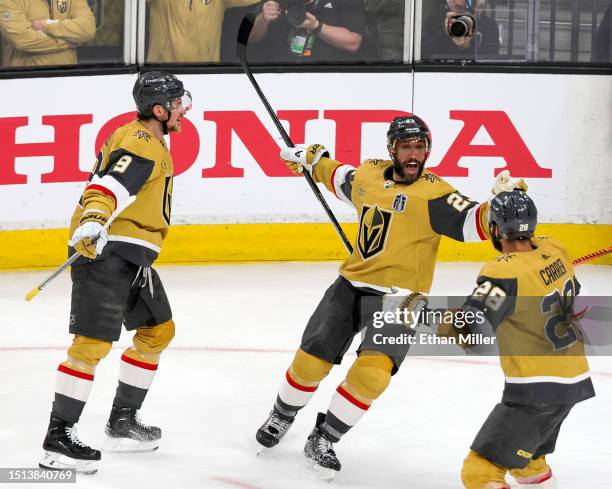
{"x": 89, "y": 239}
{"x": 405, "y": 305}
{"x": 505, "y": 183}
{"x": 300, "y": 156}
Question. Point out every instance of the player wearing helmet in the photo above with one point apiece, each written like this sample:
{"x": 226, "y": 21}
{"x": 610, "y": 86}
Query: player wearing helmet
{"x": 403, "y": 211}
{"x": 526, "y": 296}
{"x": 113, "y": 282}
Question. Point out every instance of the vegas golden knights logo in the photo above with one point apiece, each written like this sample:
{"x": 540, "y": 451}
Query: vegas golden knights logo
{"x": 62, "y": 6}
{"x": 373, "y": 230}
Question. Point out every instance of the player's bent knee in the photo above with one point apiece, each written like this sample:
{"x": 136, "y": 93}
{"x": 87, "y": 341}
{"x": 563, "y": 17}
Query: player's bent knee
{"x": 308, "y": 368}
{"x": 370, "y": 374}
{"x": 154, "y": 339}
{"x": 88, "y": 350}
{"x": 480, "y": 473}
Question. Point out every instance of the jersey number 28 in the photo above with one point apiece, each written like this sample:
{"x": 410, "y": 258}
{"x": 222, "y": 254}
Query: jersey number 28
{"x": 558, "y": 306}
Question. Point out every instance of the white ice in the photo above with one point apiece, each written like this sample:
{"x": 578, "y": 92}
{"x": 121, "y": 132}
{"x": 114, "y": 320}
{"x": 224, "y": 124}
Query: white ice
{"x": 237, "y": 327}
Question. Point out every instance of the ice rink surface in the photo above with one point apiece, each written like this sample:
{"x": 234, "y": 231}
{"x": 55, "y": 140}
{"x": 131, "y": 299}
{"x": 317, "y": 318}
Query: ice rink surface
{"x": 237, "y": 329}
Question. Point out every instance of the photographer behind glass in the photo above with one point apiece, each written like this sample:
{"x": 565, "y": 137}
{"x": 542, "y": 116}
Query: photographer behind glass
{"x": 465, "y": 32}
{"x": 307, "y": 30}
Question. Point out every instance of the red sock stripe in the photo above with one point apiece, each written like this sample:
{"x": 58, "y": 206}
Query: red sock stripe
{"x": 102, "y": 189}
{"x": 351, "y": 399}
{"x": 297, "y": 386}
{"x": 481, "y": 233}
{"x": 538, "y": 480}
{"x": 136, "y": 363}
{"x": 74, "y": 373}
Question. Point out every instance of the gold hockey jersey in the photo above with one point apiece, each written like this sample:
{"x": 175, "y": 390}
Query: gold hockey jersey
{"x": 400, "y": 224}
{"x": 133, "y": 162}
{"x": 527, "y": 299}
{"x": 70, "y": 23}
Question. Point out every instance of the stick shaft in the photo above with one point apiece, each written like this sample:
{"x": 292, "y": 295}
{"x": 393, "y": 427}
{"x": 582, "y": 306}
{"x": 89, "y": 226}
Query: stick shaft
{"x": 243, "y": 38}
{"x": 127, "y": 202}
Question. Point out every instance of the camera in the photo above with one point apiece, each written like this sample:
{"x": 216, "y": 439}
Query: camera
{"x": 463, "y": 26}
{"x": 295, "y": 11}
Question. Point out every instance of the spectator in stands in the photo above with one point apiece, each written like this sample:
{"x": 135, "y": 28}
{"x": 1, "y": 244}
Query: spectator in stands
{"x": 43, "y": 33}
{"x": 385, "y": 25}
{"x": 436, "y": 43}
{"x": 602, "y": 50}
{"x": 328, "y": 31}
{"x": 187, "y": 31}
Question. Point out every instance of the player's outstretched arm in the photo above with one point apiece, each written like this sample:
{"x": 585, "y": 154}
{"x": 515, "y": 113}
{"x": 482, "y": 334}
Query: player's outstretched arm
{"x": 336, "y": 177}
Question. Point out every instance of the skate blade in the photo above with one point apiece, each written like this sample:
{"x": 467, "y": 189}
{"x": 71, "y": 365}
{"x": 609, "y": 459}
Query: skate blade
{"x": 324, "y": 473}
{"x": 57, "y": 461}
{"x": 128, "y": 445}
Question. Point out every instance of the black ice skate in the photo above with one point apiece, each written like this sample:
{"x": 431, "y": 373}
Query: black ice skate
{"x": 273, "y": 429}
{"x": 126, "y": 433}
{"x": 320, "y": 451}
{"x": 63, "y": 449}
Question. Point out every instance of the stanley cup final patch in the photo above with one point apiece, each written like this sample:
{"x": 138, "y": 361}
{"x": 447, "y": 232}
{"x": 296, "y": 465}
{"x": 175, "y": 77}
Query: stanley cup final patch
{"x": 399, "y": 203}
{"x": 62, "y": 6}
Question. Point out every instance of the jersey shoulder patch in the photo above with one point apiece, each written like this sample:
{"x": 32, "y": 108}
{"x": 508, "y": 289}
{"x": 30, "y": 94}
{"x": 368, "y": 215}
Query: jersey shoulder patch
{"x": 137, "y": 140}
{"x": 370, "y": 169}
{"x": 433, "y": 187}
{"x": 375, "y": 162}
{"x": 504, "y": 266}
{"x": 545, "y": 242}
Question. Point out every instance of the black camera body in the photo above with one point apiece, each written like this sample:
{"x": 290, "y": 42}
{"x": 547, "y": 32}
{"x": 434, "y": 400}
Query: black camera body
{"x": 463, "y": 26}
{"x": 295, "y": 11}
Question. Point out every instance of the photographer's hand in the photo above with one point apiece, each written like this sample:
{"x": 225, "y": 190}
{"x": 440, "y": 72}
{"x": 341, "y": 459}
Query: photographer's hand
{"x": 311, "y": 22}
{"x": 271, "y": 11}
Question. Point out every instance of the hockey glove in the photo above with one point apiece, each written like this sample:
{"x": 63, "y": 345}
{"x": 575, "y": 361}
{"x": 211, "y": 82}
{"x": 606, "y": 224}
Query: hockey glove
{"x": 505, "y": 183}
{"x": 299, "y": 157}
{"x": 405, "y": 306}
{"x": 90, "y": 238}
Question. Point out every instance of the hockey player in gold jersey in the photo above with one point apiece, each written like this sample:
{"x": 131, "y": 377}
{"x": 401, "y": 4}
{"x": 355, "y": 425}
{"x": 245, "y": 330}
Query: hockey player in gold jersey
{"x": 527, "y": 297}
{"x": 113, "y": 282}
{"x": 403, "y": 211}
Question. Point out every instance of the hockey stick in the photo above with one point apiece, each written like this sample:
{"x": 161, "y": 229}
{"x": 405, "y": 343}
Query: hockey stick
{"x": 34, "y": 292}
{"x": 241, "y": 47}
{"x": 592, "y": 256}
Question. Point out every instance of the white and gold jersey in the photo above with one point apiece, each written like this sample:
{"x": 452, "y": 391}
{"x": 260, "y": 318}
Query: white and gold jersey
{"x": 133, "y": 162}
{"x": 527, "y": 299}
{"x": 400, "y": 224}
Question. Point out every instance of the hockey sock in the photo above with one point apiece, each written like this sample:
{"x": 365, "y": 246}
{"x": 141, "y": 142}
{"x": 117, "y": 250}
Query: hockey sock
{"x": 300, "y": 383}
{"x": 75, "y": 377}
{"x": 72, "y": 389}
{"x": 366, "y": 380}
{"x": 139, "y": 364}
{"x": 136, "y": 374}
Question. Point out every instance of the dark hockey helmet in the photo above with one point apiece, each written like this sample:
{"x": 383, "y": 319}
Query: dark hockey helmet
{"x": 408, "y": 127}
{"x": 156, "y": 88}
{"x": 512, "y": 216}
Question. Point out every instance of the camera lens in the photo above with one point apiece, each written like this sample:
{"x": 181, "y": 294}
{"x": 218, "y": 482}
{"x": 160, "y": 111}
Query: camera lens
{"x": 462, "y": 26}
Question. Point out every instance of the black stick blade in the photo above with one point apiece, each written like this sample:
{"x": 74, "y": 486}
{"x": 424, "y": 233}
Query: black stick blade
{"x": 246, "y": 26}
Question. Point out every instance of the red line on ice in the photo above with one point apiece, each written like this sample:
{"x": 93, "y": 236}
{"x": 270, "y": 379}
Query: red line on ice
{"x": 234, "y": 482}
